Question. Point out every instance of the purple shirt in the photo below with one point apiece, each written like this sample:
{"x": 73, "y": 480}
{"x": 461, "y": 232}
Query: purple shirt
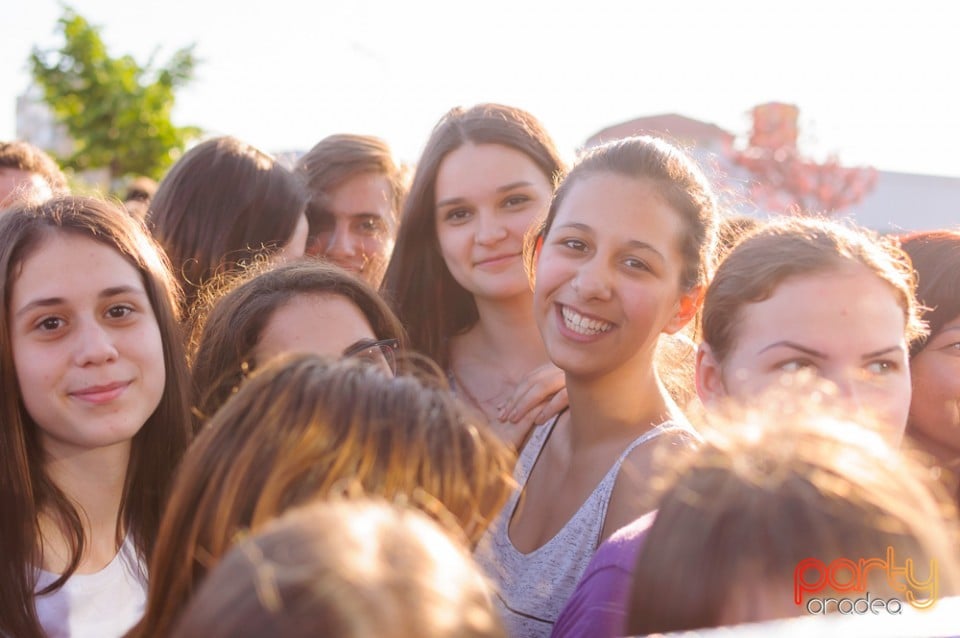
{"x": 598, "y": 606}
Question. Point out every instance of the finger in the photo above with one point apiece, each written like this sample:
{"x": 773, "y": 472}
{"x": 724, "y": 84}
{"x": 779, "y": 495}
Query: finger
{"x": 530, "y": 395}
{"x": 553, "y": 407}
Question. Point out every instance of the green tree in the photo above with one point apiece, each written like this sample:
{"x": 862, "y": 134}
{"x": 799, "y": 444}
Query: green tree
{"x": 117, "y": 112}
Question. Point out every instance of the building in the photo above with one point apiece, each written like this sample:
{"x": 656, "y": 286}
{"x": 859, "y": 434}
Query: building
{"x": 898, "y": 202}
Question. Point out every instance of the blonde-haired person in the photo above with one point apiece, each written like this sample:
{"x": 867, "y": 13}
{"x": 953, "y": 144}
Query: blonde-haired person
{"x": 345, "y": 570}
{"x": 776, "y": 514}
{"x": 356, "y": 193}
{"x": 301, "y": 428}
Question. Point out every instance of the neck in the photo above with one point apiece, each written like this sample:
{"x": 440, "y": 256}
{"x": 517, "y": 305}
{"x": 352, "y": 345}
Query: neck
{"x": 625, "y": 402}
{"x": 507, "y": 333}
{"x": 93, "y": 480}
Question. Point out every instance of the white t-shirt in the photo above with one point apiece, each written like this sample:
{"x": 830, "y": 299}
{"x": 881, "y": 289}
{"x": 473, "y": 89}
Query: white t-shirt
{"x": 101, "y": 605}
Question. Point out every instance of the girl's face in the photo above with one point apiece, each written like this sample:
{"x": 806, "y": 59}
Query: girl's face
{"x": 935, "y": 407}
{"x": 86, "y": 345}
{"x": 844, "y": 326}
{"x": 325, "y": 324}
{"x": 608, "y": 276}
{"x": 488, "y": 196}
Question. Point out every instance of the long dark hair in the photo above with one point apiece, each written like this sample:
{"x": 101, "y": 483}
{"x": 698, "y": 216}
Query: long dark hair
{"x": 25, "y": 487}
{"x": 428, "y": 300}
{"x": 222, "y": 204}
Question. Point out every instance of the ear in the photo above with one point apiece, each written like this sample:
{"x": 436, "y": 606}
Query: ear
{"x": 687, "y": 307}
{"x": 709, "y": 376}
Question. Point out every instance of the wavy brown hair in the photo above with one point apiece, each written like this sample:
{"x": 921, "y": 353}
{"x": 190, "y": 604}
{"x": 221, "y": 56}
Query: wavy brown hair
{"x": 25, "y": 488}
{"x": 429, "y": 301}
{"x": 225, "y": 332}
{"x": 302, "y": 428}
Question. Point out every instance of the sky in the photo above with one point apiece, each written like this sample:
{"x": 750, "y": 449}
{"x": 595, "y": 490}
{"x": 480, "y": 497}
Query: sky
{"x": 876, "y": 82}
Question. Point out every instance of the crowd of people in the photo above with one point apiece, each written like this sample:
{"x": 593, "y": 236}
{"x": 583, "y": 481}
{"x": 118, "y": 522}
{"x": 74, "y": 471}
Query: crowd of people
{"x": 487, "y": 395}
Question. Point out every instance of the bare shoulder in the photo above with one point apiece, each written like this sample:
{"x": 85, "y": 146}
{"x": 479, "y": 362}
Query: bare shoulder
{"x": 635, "y": 489}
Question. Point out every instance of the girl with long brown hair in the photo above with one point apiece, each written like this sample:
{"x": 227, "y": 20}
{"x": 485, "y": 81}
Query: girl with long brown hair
{"x": 456, "y": 277}
{"x": 94, "y": 414}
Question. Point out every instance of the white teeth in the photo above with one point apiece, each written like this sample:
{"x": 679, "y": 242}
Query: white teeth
{"x": 582, "y": 325}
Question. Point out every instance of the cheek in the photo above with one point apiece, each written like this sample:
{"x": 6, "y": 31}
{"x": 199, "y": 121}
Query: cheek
{"x": 152, "y": 360}
{"x": 376, "y": 247}
{"x": 551, "y": 273}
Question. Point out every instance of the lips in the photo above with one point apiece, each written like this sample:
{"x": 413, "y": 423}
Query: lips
{"x": 496, "y": 261}
{"x": 99, "y": 394}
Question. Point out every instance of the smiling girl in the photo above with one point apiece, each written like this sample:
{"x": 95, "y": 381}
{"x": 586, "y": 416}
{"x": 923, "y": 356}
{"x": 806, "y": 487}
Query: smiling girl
{"x": 620, "y": 260}
{"x": 934, "y": 419}
{"x": 94, "y": 415}
{"x": 456, "y": 277}
{"x": 814, "y": 297}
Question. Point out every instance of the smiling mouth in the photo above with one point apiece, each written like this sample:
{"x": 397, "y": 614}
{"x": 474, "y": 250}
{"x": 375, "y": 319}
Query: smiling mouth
{"x": 582, "y": 325}
{"x": 101, "y": 393}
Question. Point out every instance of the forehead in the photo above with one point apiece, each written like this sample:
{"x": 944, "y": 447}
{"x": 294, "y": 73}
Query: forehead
{"x": 475, "y": 167}
{"x": 66, "y": 263}
{"x": 850, "y": 307}
{"x": 629, "y": 207}
{"x": 320, "y": 323}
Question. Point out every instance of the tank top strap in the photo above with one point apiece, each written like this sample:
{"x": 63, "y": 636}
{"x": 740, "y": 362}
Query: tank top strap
{"x": 532, "y": 450}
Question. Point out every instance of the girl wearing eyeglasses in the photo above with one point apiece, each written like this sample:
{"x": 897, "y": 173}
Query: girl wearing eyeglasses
{"x": 304, "y": 306}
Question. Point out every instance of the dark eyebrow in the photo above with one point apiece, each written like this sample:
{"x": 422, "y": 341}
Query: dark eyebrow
{"x": 500, "y": 189}
{"x": 56, "y": 301}
{"x": 357, "y": 346}
{"x": 794, "y": 346}
{"x": 633, "y": 243}
{"x": 880, "y": 353}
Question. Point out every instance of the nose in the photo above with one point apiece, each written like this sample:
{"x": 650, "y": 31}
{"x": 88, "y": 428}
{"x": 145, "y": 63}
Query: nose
{"x": 592, "y": 282}
{"x": 341, "y": 244}
{"x": 490, "y": 230}
{"x": 95, "y": 345}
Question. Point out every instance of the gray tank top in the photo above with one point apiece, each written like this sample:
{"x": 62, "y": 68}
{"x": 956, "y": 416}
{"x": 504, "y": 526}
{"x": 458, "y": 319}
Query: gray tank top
{"x": 533, "y": 588}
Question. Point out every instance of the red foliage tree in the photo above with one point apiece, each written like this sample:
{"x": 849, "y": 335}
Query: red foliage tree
{"x": 788, "y": 182}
